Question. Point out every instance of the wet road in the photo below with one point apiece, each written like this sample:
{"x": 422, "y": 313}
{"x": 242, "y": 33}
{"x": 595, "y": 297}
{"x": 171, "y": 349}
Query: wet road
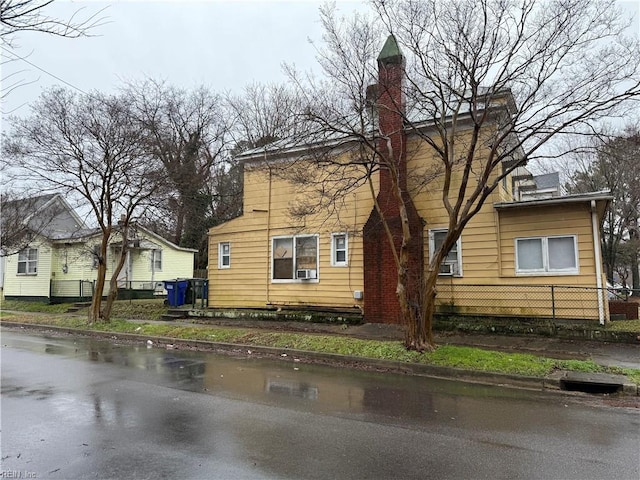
{"x": 84, "y": 408}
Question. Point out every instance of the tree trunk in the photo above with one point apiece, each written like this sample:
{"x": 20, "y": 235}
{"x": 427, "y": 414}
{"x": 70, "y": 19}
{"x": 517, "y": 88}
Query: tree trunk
{"x": 418, "y": 334}
{"x": 96, "y": 300}
{"x": 95, "y": 314}
{"x": 113, "y": 283}
{"x": 113, "y": 295}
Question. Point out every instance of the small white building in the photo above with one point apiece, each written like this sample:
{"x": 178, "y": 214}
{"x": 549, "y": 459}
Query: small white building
{"x": 59, "y": 263}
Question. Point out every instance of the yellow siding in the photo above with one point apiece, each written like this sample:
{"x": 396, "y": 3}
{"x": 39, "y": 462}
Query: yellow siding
{"x": 247, "y": 283}
{"x": 487, "y": 246}
{"x": 557, "y": 220}
{"x": 78, "y": 260}
{"x": 29, "y": 285}
{"x": 574, "y": 295}
{"x": 175, "y": 264}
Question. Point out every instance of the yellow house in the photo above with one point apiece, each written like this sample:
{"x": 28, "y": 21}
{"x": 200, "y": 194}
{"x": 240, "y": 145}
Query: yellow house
{"x": 59, "y": 263}
{"x": 532, "y": 258}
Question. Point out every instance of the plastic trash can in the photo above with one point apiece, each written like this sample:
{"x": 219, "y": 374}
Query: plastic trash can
{"x": 176, "y": 292}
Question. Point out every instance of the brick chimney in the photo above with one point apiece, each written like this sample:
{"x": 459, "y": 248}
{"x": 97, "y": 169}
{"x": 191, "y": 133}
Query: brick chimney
{"x": 380, "y": 272}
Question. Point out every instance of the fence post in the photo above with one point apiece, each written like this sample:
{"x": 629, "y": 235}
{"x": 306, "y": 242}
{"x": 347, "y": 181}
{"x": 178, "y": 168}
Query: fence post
{"x": 553, "y": 301}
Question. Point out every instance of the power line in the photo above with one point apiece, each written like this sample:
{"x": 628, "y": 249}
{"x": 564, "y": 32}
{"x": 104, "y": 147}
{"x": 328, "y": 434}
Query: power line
{"x": 18, "y": 57}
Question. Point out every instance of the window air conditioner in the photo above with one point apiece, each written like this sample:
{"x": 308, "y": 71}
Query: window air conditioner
{"x": 306, "y": 274}
{"x": 446, "y": 269}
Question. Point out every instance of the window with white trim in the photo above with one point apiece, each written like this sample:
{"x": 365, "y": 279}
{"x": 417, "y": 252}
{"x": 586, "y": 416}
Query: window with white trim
{"x": 547, "y": 255}
{"x": 156, "y": 260}
{"x": 294, "y": 258}
{"x": 224, "y": 255}
{"x": 28, "y": 261}
{"x": 95, "y": 256}
{"x": 452, "y": 262}
{"x": 339, "y": 249}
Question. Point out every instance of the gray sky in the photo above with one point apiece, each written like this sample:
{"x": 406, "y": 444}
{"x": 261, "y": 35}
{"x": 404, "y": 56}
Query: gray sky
{"x": 223, "y": 44}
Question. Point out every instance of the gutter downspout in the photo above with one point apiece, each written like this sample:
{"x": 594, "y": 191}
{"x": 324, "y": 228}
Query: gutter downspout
{"x": 598, "y": 260}
{"x": 153, "y": 268}
{"x": 268, "y": 274}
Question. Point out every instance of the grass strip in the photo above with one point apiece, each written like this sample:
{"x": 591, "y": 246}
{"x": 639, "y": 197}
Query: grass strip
{"x": 468, "y": 358}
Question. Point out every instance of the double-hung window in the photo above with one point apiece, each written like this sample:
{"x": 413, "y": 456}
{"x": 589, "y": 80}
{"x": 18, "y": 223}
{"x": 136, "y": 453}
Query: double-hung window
{"x": 294, "y": 258}
{"x": 224, "y": 255}
{"x": 339, "y": 250}
{"x": 156, "y": 260}
{"x": 452, "y": 262}
{"x": 95, "y": 256}
{"x": 547, "y": 255}
{"x": 28, "y": 261}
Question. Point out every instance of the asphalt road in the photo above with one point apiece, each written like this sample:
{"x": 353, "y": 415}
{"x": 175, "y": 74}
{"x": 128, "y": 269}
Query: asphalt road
{"x": 84, "y": 408}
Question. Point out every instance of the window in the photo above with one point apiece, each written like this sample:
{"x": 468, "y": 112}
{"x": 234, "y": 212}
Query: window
{"x": 542, "y": 255}
{"x": 28, "y": 261}
{"x": 339, "y": 250}
{"x": 156, "y": 260}
{"x": 224, "y": 255}
{"x": 452, "y": 263}
{"x": 295, "y": 257}
{"x": 95, "y": 257}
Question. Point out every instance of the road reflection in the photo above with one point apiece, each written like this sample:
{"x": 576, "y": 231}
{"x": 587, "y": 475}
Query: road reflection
{"x": 87, "y": 408}
{"x": 286, "y": 382}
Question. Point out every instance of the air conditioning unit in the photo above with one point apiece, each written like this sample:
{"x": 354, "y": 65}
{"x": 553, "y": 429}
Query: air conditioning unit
{"x": 306, "y": 274}
{"x": 446, "y": 269}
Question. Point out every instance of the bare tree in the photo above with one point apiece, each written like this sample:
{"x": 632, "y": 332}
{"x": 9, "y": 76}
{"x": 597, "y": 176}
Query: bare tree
{"x": 17, "y": 16}
{"x": 89, "y": 147}
{"x": 187, "y": 132}
{"x": 30, "y": 15}
{"x": 613, "y": 165}
{"x": 23, "y": 219}
{"x": 489, "y": 85}
{"x": 262, "y": 114}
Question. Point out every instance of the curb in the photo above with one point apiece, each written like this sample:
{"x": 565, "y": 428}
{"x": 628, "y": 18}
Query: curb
{"x": 550, "y": 382}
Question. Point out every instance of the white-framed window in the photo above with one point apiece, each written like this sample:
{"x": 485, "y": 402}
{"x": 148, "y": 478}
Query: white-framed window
{"x": 339, "y": 249}
{"x": 28, "y": 261}
{"x": 294, "y": 258}
{"x": 224, "y": 255}
{"x": 554, "y": 255}
{"x": 156, "y": 260}
{"x": 95, "y": 257}
{"x": 452, "y": 263}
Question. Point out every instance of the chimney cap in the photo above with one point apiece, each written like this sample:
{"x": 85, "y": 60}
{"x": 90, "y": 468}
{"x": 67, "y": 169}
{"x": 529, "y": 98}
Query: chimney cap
{"x": 390, "y": 52}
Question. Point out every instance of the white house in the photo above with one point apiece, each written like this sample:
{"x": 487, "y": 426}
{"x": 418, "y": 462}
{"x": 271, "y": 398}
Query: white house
{"x": 59, "y": 263}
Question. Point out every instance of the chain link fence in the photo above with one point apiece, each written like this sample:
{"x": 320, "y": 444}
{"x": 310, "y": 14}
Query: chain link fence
{"x": 83, "y": 289}
{"x": 533, "y": 301}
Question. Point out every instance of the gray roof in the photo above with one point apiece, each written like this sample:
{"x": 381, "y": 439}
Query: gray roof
{"x": 419, "y": 117}
{"x": 548, "y": 180}
{"x": 575, "y": 198}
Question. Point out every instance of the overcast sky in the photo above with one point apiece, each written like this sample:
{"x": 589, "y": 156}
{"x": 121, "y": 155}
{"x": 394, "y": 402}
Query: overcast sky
{"x": 223, "y": 44}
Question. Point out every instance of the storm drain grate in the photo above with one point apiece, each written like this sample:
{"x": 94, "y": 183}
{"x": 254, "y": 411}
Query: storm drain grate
{"x": 590, "y": 387}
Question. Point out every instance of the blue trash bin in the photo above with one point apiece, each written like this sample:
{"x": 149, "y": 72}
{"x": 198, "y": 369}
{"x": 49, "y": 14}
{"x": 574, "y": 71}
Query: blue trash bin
{"x": 176, "y": 292}
{"x": 182, "y": 291}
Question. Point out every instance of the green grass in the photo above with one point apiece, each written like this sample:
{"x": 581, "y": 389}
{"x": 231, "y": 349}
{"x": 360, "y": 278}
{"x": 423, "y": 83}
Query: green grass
{"x": 34, "y": 306}
{"x": 446, "y": 355}
{"x": 624, "y": 326}
{"x": 451, "y": 356}
{"x": 138, "y": 309}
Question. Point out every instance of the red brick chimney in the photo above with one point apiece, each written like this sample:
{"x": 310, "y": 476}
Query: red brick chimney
{"x": 380, "y": 272}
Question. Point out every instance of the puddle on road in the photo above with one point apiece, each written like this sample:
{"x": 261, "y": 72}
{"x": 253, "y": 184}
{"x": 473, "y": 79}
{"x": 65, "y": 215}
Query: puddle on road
{"x": 283, "y": 382}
